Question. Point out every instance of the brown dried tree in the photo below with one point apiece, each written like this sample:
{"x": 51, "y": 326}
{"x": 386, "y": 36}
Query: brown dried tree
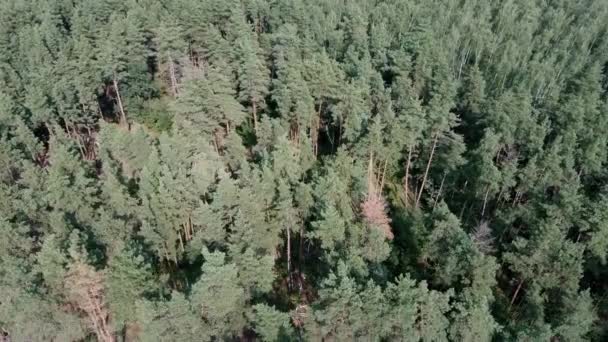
{"x": 374, "y": 206}
{"x": 85, "y": 290}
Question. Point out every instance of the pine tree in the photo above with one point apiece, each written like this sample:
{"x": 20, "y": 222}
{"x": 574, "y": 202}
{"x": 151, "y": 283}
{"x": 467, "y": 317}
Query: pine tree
{"x": 128, "y": 278}
{"x": 209, "y": 104}
{"x": 171, "y": 51}
{"x": 113, "y": 59}
{"x": 315, "y": 152}
{"x": 271, "y": 324}
{"x": 218, "y": 298}
{"x": 71, "y": 188}
{"x": 253, "y": 75}
{"x": 323, "y": 78}
{"x": 340, "y": 312}
{"x": 172, "y": 320}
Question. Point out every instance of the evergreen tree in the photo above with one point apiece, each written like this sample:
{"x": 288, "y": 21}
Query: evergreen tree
{"x": 253, "y": 75}
{"x": 389, "y": 170}
{"x": 271, "y": 324}
{"x": 171, "y": 51}
{"x": 218, "y": 298}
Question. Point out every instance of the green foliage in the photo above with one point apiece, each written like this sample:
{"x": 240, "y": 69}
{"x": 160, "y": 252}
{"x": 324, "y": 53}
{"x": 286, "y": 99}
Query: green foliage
{"x": 379, "y": 171}
{"x": 156, "y": 115}
{"x": 209, "y": 103}
{"x": 174, "y": 320}
{"x": 217, "y": 296}
{"x": 129, "y": 277}
{"x": 271, "y": 324}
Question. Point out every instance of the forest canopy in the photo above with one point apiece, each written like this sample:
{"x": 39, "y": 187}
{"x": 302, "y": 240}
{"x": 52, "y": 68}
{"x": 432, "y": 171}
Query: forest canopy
{"x": 303, "y": 170}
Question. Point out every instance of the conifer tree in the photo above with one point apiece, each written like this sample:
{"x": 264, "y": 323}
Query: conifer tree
{"x": 113, "y": 59}
{"x": 171, "y": 52}
{"x": 218, "y": 298}
{"x": 271, "y": 324}
{"x": 315, "y": 170}
{"x": 253, "y": 75}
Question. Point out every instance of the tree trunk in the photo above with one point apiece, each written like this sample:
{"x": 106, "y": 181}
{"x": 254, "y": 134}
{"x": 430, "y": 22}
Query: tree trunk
{"x": 96, "y": 327}
{"x": 428, "y": 166}
{"x": 99, "y": 110}
{"x": 98, "y": 319}
{"x": 166, "y": 253}
{"x": 172, "y": 76}
{"x": 440, "y": 189}
{"x": 288, "y": 232}
{"x": 485, "y": 201}
{"x": 407, "y": 176}
{"x": 191, "y": 226}
{"x": 181, "y": 241}
{"x": 215, "y": 144}
{"x": 316, "y": 134}
{"x": 464, "y": 206}
{"x": 168, "y": 256}
{"x": 516, "y": 293}
{"x": 516, "y": 199}
{"x": 301, "y": 256}
{"x": 104, "y": 326}
{"x": 383, "y": 175}
{"x": 74, "y": 134}
{"x": 463, "y": 60}
{"x": 186, "y": 231}
{"x": 339, "y": 132}
{"x": 371, "y": 179}
{"x": 123, "y": 117}
{"x": 255, "y": 117}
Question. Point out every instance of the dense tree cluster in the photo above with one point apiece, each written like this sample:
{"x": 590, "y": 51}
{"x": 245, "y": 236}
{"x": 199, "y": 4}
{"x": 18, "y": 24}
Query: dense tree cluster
{"x": 314, "y": 170}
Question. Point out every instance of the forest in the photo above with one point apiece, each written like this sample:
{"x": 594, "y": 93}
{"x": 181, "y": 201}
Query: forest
{"x": 303, "y": 170}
